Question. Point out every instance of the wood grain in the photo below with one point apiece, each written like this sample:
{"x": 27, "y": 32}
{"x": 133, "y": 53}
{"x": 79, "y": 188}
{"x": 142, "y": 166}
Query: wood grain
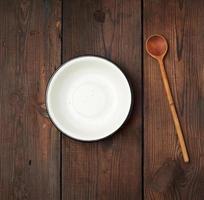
{"x": 29, "y": 145}
{"x": 34, "y": 165}
{"x": 109, "y": 169}
{"x": 181, "y": 23}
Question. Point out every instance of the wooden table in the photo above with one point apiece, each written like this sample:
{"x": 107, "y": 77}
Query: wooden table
{"x": 143, "y": 160}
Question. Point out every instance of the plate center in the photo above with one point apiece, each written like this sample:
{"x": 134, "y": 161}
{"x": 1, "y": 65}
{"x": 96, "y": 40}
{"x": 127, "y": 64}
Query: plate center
{"x": 89, "y": 100}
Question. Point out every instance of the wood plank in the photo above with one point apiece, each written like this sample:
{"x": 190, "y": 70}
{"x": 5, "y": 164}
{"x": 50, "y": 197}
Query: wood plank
{"x": 166, "y": 176}
{"x": 108, "y": 169}
{"x": 29, "y": 145}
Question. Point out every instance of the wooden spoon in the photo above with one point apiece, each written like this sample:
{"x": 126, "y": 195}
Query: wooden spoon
{"x": 156, "y": 46}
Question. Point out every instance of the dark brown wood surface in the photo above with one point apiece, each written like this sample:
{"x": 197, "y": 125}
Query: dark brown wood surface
{"x": 143, "y": 159}
{"x": 29, "y": 144}
{"x": 165, "y": 174}
{"x": 111, "y": 168}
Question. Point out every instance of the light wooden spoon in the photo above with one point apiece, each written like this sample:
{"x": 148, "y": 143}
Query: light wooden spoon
{"x": 156, "y": 46}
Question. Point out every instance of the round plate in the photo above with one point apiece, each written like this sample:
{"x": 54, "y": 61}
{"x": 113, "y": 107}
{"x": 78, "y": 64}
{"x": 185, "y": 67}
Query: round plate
{"x": 88, "y": 98}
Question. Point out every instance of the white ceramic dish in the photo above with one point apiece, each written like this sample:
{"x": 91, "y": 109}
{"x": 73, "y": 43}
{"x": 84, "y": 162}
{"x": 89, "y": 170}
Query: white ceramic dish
{"x": 88, "y": 98}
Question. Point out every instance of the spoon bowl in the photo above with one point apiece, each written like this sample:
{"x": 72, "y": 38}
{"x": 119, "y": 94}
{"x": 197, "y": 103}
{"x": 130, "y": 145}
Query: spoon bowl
{"x": 156, "y": 46}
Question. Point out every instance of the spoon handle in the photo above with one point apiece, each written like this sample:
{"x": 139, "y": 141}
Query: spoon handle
{"x": 173, "y": 112}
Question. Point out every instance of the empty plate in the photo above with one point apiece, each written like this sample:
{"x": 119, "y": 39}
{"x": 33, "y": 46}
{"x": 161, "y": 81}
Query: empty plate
{"x": 88, "y": 98}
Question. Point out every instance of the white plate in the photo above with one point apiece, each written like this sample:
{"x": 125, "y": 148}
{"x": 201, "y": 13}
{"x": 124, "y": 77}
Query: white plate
{"x": 88, "y": 98}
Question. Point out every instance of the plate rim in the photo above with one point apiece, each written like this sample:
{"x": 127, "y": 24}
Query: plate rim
{"x": 90, "y": 56}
